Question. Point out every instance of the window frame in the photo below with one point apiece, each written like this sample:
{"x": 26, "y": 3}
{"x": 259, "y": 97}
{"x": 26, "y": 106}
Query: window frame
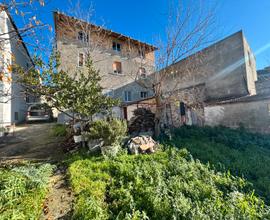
{"x": 116, "y": 46}
{"x": 145, "y": 94}
{"x": 83, "y": 37}
{"x": 117, "y": 70}
{"x": 142, "y": 72}
{"x": 127, "y": 96}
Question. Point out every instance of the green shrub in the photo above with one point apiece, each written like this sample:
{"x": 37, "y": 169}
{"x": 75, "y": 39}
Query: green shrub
{"x": 164, "y": 185}
{"x": 111, "y": 132}
{"x": 23, "y": 190}
{"x": 59, "y": 130}
{"x": 244, "y": 154}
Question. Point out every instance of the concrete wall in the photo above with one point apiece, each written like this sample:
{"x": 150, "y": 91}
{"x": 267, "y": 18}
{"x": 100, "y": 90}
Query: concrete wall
{"x": 222, "y": 67}
{"x": 263, "y": 85}
{"x": 254, "y": 116}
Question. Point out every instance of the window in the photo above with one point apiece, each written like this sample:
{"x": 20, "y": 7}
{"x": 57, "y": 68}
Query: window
{"x": 116, "y": 46}
{"x": 141, "y": 52}
{"x": 144, "y": 94}
{"x": 142, "y": 72}
{"x": 127, "y": 96}
{"x": 81, "y": 59}
{"x": 16, "y": 116}
{"x": 83, "y": 37}
{"x": 117, "y": 67}
{"x": 268, "y": 109}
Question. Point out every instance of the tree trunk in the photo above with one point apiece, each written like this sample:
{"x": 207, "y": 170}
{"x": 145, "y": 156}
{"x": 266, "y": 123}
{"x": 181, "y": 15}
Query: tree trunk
{"x": 158, "y": 116}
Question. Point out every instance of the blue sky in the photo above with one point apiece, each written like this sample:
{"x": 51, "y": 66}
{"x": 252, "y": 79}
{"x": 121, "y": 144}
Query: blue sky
{"x": 145, "y": 19}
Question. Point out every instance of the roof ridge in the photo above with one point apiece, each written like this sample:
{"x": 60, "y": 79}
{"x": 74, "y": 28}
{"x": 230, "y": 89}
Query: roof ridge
{"x": 106, "y": 29}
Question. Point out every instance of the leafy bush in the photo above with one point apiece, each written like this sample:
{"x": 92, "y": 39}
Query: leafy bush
{"x": 111, "y": 132}
{"x": 23, "y": 190}
{"x": 165, "y": 185}
{"x": 59, "y": 130}
{"x": 244, "y": 154}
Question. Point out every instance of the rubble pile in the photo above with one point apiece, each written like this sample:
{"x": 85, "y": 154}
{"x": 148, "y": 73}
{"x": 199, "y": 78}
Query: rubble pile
{"x": 142, "y": 121}
{"x": 142, "y": 144}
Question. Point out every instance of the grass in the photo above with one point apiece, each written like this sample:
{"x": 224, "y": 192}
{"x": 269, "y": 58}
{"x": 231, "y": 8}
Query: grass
{"x": 59, "y": 130}
{"x": 164, "y": 185}
{"x": 244, "y": 154}
{"x": 23, "y": 190}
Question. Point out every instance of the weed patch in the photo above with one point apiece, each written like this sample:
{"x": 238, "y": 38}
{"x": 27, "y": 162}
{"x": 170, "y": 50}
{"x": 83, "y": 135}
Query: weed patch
{"x": 23, "y": 190}
{"x": 164, "y": 185}
{"x": 244, "y": 154}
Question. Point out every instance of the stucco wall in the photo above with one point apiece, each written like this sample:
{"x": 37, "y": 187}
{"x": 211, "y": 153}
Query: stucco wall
{"x": 254, "y": 116}
{"x": 14, "y": 53}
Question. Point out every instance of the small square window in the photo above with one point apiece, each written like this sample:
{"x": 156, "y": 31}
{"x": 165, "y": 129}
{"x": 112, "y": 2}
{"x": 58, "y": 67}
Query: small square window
{"x": 127, "y": 96}
{"x": 142, "y": 72}
{"x": 116, "y": 47}
{"x": 83, "y": 36}
{"x": 81, "y": 59}
{"x": 144, "y": 94}
{"x": 80, "y": 36}
{"x": 117, "y": 67}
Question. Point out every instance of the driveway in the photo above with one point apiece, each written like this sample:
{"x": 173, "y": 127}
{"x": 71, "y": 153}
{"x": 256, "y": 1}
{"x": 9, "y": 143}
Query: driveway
{"x": 32, "y": 142}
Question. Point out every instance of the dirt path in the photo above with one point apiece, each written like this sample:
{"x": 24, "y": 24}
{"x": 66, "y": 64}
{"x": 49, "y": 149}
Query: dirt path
{"x": 32, "y": 142}
{"x": 58, "y": 204}
{"x": 35, "y": 143}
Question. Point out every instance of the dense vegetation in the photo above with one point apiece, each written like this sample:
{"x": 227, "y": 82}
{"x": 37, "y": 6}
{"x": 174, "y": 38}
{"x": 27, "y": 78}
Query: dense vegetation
{"x": 59, "y": 130}
{"x": 164, "y": 185}
{"x": 22, "y": 191}
{"x": 243, "y": 153}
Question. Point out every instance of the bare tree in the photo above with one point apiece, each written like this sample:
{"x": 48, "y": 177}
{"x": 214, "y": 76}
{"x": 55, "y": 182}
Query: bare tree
{"x": 190, "y": 27}
{"x": 27, "y": 34}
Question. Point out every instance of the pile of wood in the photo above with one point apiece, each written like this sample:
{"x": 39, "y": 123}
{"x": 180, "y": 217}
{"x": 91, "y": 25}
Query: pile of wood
{"x": 142, "y": 121}
{"x": 142, "y": 144}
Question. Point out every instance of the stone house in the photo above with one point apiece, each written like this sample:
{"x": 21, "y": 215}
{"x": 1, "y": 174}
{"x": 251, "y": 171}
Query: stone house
{"x": 119, "y": 58}
{"x": 225, "y": 70}
{"x": 13, "y": 101}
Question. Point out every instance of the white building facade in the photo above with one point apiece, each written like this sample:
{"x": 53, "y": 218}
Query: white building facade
{"x": 13, "y": 101}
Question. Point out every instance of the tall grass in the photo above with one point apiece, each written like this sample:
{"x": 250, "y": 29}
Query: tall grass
{"x": 22, "y": 191}
{"x": 165, "y": 185}
{"x": 244, "y": 154}
{"x": 59, "y": 130}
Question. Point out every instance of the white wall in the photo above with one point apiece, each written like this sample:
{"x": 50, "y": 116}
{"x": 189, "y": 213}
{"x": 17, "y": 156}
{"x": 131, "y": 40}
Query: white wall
{"x": 12, "y": 49}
